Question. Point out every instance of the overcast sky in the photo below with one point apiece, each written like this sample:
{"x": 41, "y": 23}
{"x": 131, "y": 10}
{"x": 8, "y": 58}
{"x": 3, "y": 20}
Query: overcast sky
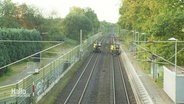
{"x": 107, "y": 10}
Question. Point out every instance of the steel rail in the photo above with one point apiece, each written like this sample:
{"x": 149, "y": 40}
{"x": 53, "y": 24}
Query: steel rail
{"x": 113, "y": 76}
{"x": 74, "y": 87}
{"x": 87, "y": 83}
{"x": 113, "y": 81}
{"x": 123, "y": 79}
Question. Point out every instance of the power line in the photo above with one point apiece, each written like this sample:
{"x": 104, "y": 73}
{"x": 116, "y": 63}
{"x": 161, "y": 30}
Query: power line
{"x": 158, "y": 56}
{"x": 176, "y": 53}
{"x": 159, "y": 41}
{"x": 29, "y": 41}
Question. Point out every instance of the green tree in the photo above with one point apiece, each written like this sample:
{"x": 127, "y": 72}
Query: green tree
{"x": 4, "y": 57}
{"x": 29, "y": 17}
{"x": 76, "y": 21}
{"x": 52, "y": 29}
{"x": 160, "y": 19}
{"x": 7, "y": 14}
{"x": 90, "y": 14}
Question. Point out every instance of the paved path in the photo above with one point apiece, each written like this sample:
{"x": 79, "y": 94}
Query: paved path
{"x": 157, "y": 94}
{"x": 17, "y": 77}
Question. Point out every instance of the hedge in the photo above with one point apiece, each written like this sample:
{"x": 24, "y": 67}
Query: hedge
{"x": 13, "y": 51}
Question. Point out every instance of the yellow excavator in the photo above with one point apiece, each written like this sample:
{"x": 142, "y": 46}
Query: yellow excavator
{"x": 115, "y": 49}
{"x": 97, "y": 47}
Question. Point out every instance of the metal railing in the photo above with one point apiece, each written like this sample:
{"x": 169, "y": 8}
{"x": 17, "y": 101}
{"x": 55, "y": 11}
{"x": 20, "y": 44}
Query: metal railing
{"x": 31, "y": 88}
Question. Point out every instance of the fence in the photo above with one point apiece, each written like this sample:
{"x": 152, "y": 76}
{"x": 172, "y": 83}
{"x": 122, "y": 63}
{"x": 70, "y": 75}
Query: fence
{"x": 32, "y": 87}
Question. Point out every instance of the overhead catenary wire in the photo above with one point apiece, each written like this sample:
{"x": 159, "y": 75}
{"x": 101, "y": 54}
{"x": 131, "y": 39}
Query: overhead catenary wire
{"x": 176, "y": 53}
{"x": 158, "y": 56}
{"x": 30, "y": 41}
{"x": 159, "y": 41}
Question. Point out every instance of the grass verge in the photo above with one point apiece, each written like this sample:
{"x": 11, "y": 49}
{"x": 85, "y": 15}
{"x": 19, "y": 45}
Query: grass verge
{"x": 160, "y": 79}
{"x": 7, "y": 75}
{"x": 14, "y": 69}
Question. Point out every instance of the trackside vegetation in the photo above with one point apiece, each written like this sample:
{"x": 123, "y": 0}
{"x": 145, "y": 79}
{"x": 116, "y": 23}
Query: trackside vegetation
{"x": 155, "y": 20}
{"x": 13, "y": 51}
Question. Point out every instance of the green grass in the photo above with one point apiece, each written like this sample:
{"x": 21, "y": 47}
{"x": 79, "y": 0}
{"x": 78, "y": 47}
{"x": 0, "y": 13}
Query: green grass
{"x": 57, "y": 49}
{"x": 159, "y": 81}
{"x": 51, "y": 96}
{"x": 14, "y": 69}
{"x": 146, "y": 67}
{"x": 19, "y": 67}
{"x": 7, "y": 75}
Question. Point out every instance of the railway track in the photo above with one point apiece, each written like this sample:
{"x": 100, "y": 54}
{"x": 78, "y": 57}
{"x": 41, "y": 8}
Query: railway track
{"x": 120, "y": 88}
{"x": 83, "y": 79}
{"x": 100, "y": 80}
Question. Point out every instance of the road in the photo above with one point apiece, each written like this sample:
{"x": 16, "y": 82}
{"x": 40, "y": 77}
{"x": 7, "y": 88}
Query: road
{"x": 100, "y": 80}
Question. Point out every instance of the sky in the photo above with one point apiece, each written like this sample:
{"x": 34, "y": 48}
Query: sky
{"x": 107, "y": 10}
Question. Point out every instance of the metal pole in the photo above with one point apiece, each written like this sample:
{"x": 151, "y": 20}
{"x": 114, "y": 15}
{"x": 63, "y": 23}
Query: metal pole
{"x": 154, "y": 64}
{"x": 144, "y": 53}
{"x": 80, "y": 53}
{"x": 132, "y": 46}
{"x": 80, "y": 37}
{"x": 176, "y": 56}
{"x": 138, "y": 38}
{"x": 145, "y": 37}
{"x": 135, "y": 37}
{"x": 132, "y": 36}
{"x": 175, "y": 67}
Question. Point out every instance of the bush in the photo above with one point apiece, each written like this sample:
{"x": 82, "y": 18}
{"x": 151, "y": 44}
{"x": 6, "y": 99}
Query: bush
{"x": 13, "y": 51}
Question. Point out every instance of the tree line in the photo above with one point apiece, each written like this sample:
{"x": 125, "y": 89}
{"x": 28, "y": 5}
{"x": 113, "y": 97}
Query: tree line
{"x": 26, "y": 22}
{"x": 159, "y": 19}
{"x": 14, "y": 15}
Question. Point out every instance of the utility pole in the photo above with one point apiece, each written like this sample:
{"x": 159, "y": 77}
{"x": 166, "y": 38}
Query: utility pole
{"x": 80, "y": 53}
{"x": 175, "y": 65}
{"x": 155, "y": 76}
{"x": 80, "y": 37}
